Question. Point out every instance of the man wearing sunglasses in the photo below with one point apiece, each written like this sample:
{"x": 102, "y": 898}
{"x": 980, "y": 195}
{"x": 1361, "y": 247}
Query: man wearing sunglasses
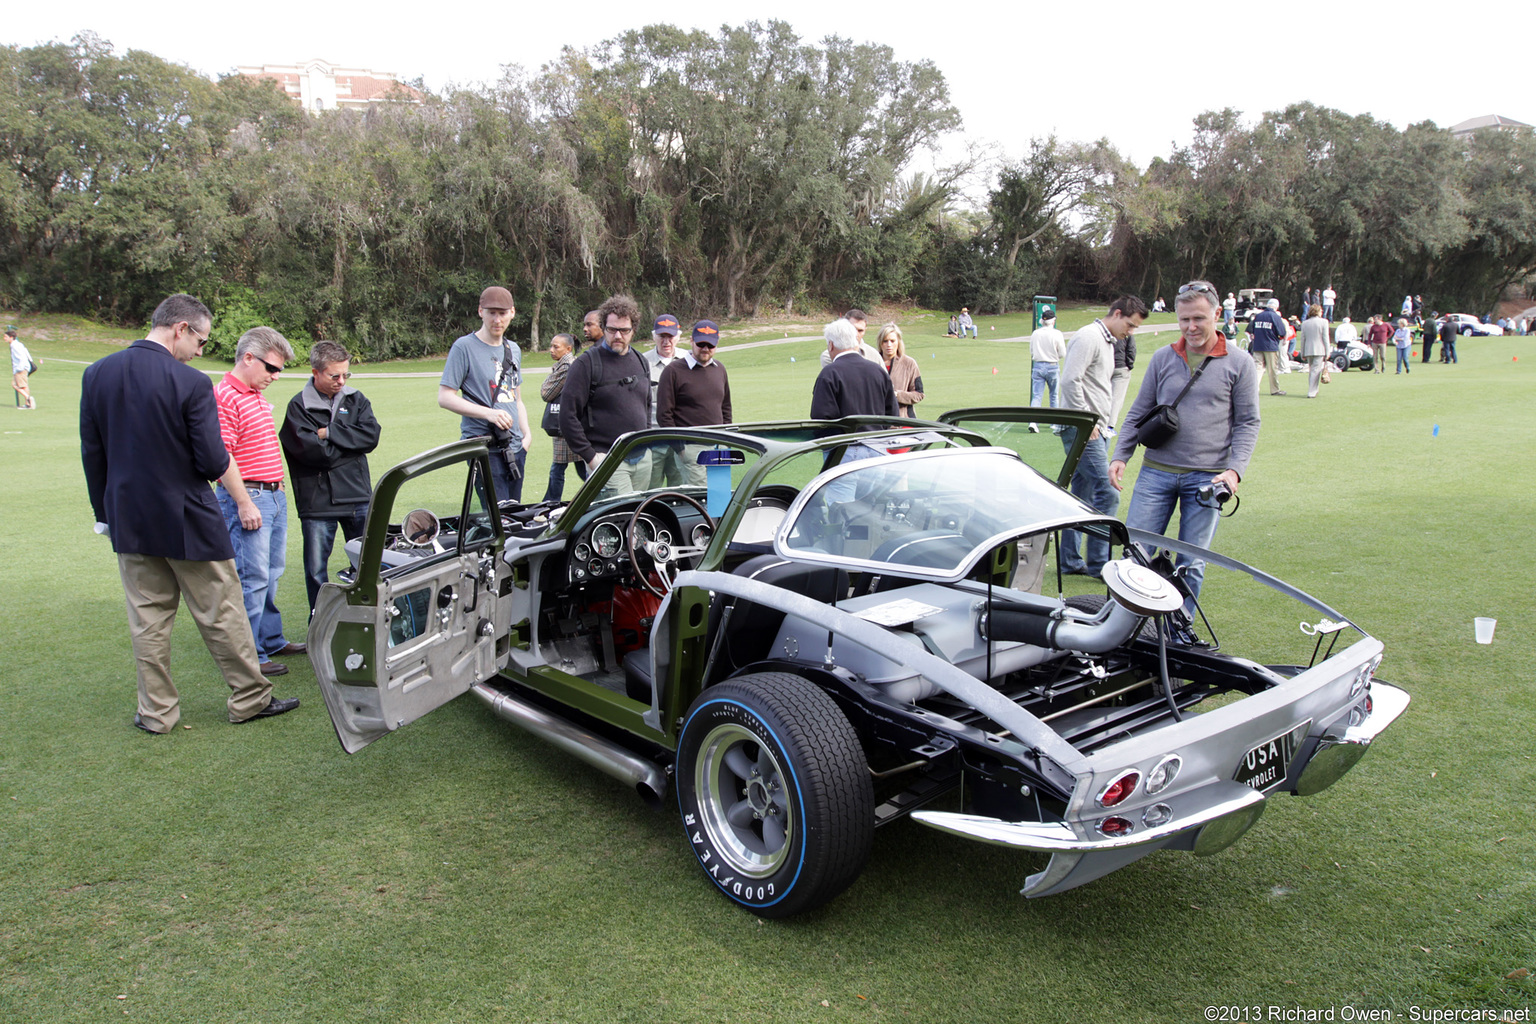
{"x": 252, "y": 498}
{"x": 327, "y": 434}
{"x": 150, "y": 442}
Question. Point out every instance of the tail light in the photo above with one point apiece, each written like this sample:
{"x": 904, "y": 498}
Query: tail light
{"x": 1118, "y": 790}
{"x": 1116, "y": 826}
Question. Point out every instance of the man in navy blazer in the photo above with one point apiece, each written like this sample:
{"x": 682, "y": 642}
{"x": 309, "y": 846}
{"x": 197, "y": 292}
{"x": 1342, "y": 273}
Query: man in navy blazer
{"x": 150, "y": 442}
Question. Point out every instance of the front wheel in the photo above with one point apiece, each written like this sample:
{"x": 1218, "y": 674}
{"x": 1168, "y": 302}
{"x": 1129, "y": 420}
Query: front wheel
{"x": 775, "y": 793}
{"x": 1341, "y": 363}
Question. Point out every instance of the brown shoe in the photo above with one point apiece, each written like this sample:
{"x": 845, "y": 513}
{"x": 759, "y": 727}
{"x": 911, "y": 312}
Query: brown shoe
{"x": 277, "y": 706}
{"x": 273, "y": 668}
{"x": 292, "y": 648}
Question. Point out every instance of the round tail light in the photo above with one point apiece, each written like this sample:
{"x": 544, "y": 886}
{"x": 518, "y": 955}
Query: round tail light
{"x": 1118, "y": 790}
{"x": 1116, "y": 826}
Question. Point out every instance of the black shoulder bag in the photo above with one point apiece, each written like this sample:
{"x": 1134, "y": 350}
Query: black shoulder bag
{"x": 1161, "y": 422}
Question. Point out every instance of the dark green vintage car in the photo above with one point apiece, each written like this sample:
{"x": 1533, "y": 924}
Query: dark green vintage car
{"x": 808, "y": 630}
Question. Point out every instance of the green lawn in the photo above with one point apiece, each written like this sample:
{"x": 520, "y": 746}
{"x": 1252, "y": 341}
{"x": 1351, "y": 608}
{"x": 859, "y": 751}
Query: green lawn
{"x": 465, "y": 871}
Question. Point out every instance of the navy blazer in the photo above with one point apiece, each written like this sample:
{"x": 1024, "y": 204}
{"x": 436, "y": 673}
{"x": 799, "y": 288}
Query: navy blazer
{"x": 150, "y": 442}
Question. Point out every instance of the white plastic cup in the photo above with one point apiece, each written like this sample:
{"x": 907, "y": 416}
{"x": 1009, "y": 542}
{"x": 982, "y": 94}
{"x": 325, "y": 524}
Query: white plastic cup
{"x": 1484, "y": 627}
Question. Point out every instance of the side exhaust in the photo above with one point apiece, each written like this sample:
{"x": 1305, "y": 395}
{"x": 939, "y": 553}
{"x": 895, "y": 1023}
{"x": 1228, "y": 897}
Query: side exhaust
{"x": 648, "y": 779}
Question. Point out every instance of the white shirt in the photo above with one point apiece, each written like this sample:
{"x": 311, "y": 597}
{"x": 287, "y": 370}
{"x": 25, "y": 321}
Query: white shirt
{"x": 1047, "y": 345}
{"x": 1328, "y": 296}
{"x": 21, "y": 359}
{"x": 1345, "y": 332}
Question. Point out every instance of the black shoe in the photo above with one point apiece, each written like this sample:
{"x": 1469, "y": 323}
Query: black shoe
{"x": 292, "y": 648}
{"x": 138, "y": 723}
{"x": 277, "y": 706}
{"x": 273, "y": 668}
{"x": 1084, "y": 571}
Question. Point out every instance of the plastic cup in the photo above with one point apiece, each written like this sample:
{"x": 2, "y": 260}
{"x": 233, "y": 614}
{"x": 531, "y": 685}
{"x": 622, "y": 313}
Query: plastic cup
{"x": 1484, "y": 627}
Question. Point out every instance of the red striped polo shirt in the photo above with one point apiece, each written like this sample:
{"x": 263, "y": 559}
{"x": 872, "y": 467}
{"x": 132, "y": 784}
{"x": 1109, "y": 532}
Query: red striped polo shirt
{"x": 250, "y": 434}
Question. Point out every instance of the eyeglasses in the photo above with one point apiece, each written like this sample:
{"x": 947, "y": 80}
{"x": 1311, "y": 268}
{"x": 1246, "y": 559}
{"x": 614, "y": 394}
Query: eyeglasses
{"x": 335, "y": 376}
{"x": 270, "y": 368}
{"x": 620, "y": 331}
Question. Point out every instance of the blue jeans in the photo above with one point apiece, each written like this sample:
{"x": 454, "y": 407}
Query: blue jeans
{"x": 556, "y": 488}
{"x": 1043, "y": 378}
{"x": 1152, "y": 503}
{"x": 319, "y": 539}
{"x": 1402, "y": 360}
{"x": 1090, "y": 482}
{"x": 260, "y": 557}
{"x": 972, "y": 328}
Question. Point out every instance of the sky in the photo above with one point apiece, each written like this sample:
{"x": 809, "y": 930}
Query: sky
{"x": 1126, "y": 71}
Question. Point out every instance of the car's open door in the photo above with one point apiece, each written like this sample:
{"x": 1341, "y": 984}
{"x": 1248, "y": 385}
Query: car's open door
{"x": 424, "y": 618}
{"x": 1034, "y": 433}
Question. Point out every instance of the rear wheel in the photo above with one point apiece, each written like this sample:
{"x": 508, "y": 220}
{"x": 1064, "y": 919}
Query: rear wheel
{"x": 1341, "y": 363}
{"x": 774, "y": 792}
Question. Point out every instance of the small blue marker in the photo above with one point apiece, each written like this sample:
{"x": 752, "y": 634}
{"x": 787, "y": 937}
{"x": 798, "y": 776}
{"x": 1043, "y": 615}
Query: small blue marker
{"x": 1436, "y": 431}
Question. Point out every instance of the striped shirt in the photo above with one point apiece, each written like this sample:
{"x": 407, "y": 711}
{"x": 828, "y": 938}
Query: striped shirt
{"x": 250, "y": 434}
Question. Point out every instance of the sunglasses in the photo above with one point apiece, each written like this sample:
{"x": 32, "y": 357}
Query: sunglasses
{"x": 331, "y": 376}
{"x": 1197, "y": 286}
{"x": 263, "y": 362}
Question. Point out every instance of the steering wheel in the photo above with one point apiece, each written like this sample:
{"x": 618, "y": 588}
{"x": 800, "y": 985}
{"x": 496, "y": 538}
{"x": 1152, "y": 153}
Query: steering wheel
{"x": 664, "y": 556}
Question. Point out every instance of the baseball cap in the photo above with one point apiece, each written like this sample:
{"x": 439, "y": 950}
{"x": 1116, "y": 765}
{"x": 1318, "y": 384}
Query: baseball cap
{"x": 667, "y": 324}
{"x": 706, "y": 333}
{"x": 496, "y": 297}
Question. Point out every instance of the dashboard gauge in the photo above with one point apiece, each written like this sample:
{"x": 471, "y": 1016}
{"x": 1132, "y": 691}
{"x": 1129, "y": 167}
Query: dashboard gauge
{"x": 700, "y": 536}
{"x": 606, "y": 540}
{"x": 665, "y": 536}
{"x": 645, "y": 531}
{"x": 582, "y": 552}
{"x": 596, "y": 568}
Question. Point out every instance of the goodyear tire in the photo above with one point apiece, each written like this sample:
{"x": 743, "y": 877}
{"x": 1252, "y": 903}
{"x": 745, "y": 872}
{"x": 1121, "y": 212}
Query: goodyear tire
{"x": 775, "y": 793}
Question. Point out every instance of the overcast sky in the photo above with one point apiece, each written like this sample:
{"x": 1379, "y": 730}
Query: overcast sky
{"x": 1125, "y": 71}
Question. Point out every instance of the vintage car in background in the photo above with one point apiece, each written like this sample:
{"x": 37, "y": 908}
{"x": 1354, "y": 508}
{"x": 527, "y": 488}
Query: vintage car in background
{"x": 1468, "y": 325}
{"x": 802, "y": 632}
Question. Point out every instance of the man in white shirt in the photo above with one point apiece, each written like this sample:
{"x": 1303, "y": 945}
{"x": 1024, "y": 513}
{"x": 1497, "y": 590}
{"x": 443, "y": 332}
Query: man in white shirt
{"x": 1046, "y": 347}
{"x": 1329, "y": 295}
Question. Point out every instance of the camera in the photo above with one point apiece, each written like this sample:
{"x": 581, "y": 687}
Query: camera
{"x": 1218, "y": 490}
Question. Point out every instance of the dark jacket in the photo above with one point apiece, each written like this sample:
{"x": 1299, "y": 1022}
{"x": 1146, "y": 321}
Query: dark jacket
{"x": 330, "y": 477}
{"x": 150, "y": 443}
{"x": 605, "y": 395}
{"x": 852, "y": 386}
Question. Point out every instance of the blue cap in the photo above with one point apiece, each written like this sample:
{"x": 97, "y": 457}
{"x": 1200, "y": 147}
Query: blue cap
{"x": 706, "y": 332}
{"x": 667, "y": 324}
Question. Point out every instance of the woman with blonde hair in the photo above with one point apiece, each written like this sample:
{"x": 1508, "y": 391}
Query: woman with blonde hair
{"x": 906, "y": 377}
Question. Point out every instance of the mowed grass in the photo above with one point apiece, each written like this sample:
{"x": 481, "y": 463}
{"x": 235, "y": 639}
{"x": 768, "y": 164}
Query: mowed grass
{"x": 464, "y": 871}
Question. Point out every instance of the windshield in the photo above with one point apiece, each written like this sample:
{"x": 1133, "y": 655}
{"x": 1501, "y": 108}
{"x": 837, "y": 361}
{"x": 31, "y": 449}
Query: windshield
{"x": 648, "y": 462}
{"x": 935, "y": 512}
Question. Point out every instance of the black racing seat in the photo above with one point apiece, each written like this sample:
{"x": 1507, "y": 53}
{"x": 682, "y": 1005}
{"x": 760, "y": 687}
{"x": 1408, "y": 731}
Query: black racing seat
{"x": 753, "y": 627}
{"x": 931, "y": 549}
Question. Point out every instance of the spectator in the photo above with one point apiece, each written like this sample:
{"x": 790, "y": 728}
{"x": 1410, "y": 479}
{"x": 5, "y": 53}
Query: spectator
{"x": 1218, "y": 430}
{"x": 1448, "y": 341}
{"x": 251, "y": 494}
{"x": 1046, "y": 347}
{"x": 1086, "y": 385}
{"x": 591, "y": 329}
{"x": 561, "y": 349}
{"x": 21, "y": 368}
{"x": 966, "y": 324}
{"x": 1377, "y": 334}
{"x": 1345, "y": 333}
{"x": 608, "y": 394}
{"x": 1159, "y": 306}
{"x": 1329, "y": 296}
{"x": 483, "y": 382}
{"x": 954, "y": 327}
{"x": 1314, "y": 347}
{"x": 695, "y": 392}
{"x": 1428, "y": 335}
{"x": 1402, "y": 338}
{"x": 849, "y": 386}
{"x": 1267, "y": 331}
{"x": 328, "y": 431}
{"x": 906, "y": 375}
{"x": 860, "y": 321}
{"x": 1228, "y": 313}
{"x": 662, "y": 353}
{"x": 150, "y": 442}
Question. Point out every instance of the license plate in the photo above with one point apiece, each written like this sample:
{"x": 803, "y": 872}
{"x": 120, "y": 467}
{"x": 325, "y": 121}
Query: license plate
{"x": 1264, "y": 767}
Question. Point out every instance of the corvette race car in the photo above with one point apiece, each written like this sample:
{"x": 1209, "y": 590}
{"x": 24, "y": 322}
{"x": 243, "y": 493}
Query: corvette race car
{"x": 802, "y": 632}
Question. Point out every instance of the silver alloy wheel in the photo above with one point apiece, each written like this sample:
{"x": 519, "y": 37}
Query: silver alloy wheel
{"x": 743, "y": 801}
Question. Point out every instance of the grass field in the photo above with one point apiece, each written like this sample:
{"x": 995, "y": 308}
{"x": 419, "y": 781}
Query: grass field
{"x": 464, "y": 871}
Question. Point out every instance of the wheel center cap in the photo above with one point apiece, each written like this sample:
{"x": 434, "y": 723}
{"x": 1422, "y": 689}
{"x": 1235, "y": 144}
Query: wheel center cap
{"x": 757, "y": 796}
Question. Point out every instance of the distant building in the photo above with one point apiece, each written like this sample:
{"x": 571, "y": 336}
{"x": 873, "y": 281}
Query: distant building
{"x": 1472, "y": 126}
{"x": 318, "y": 85}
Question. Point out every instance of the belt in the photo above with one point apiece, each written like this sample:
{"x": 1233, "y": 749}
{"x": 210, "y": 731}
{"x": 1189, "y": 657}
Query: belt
{"x": 262, "y": 485}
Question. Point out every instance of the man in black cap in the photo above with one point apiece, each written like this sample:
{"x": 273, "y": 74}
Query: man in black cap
{"x": 695, "y": 392}
{"x": 482, "y": 382}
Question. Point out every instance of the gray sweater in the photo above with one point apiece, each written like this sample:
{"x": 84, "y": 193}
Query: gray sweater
{"x": 1218, "y": 418}
{"x": 1087, "y": 370}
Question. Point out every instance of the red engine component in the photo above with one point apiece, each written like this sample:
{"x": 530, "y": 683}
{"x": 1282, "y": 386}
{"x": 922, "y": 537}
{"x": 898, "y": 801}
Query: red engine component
{"x": 634, "y": 609}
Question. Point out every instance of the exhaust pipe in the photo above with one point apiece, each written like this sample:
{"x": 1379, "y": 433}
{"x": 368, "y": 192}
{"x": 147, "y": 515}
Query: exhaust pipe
{"x": 648, "y": 779}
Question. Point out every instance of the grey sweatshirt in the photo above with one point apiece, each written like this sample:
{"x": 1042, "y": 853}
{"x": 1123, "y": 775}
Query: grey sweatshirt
{"x": 1218, "y": 418}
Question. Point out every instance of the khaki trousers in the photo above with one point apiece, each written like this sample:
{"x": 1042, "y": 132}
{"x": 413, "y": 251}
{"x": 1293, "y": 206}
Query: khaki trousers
{"x": 154, "y": 587}
{"x": 1271, "y": 362}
